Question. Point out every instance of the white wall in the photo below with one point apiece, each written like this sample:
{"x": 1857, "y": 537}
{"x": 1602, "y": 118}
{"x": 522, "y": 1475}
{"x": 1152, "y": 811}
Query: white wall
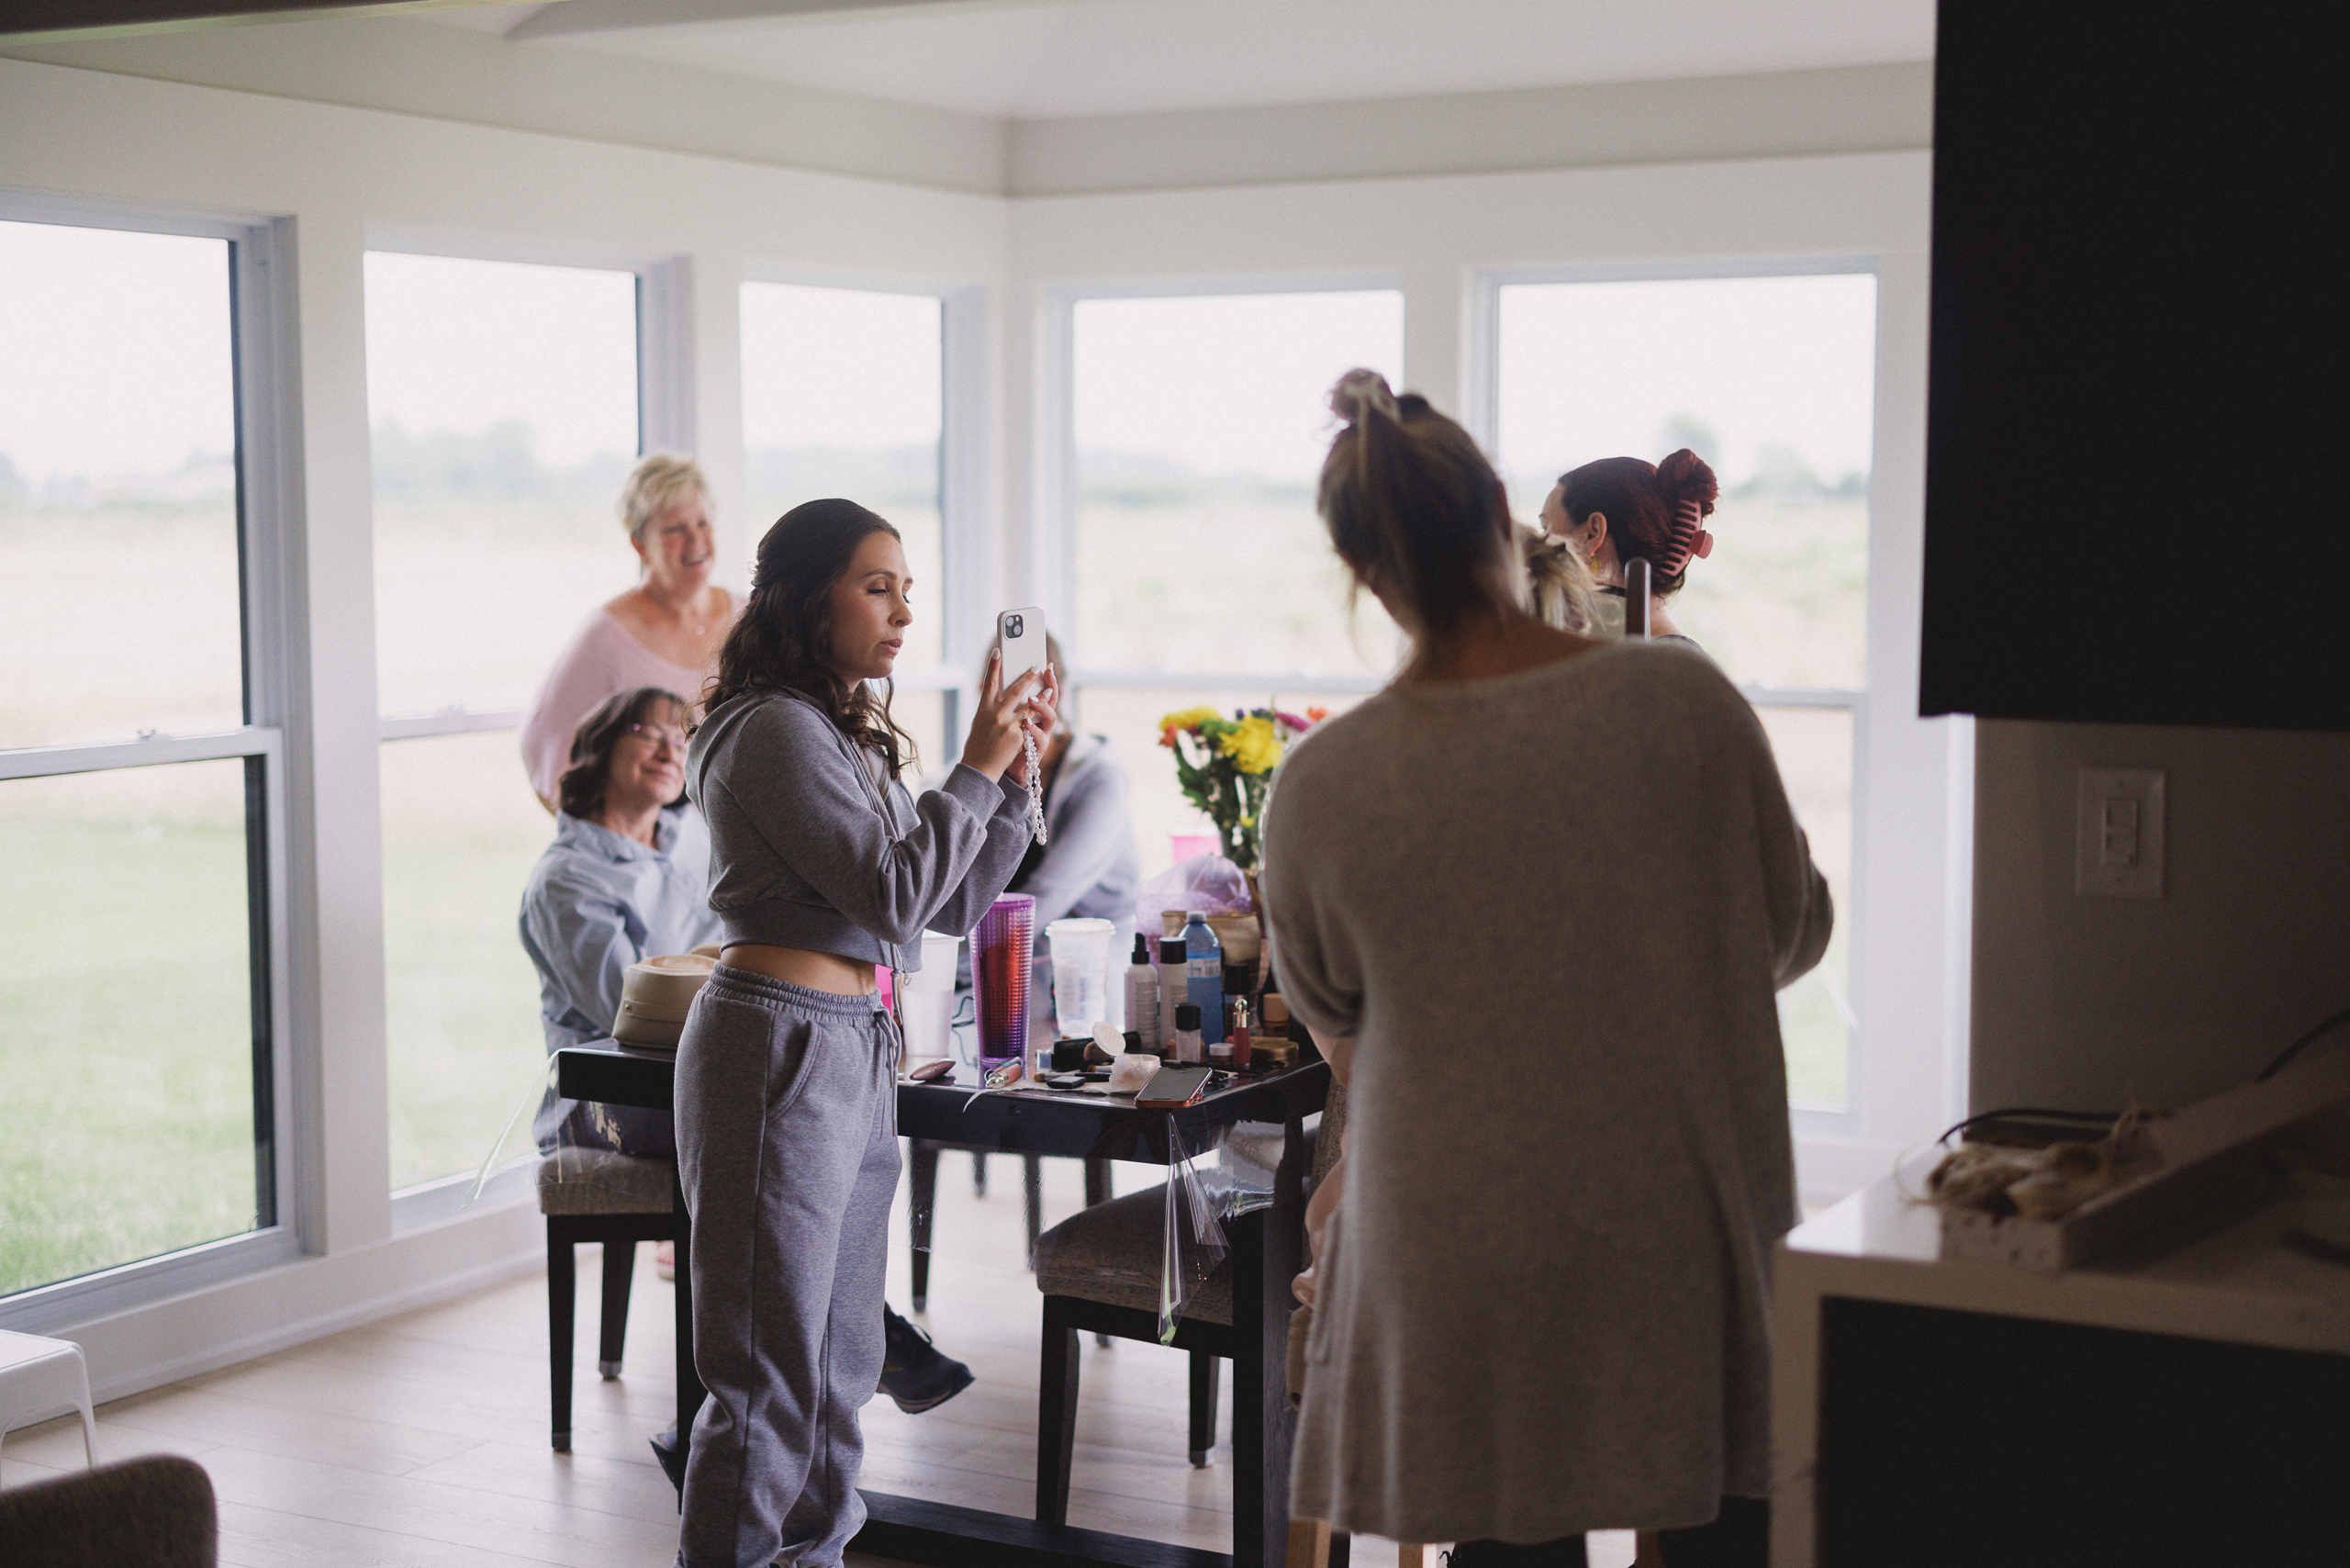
{"x": 349, "y": 177}
{"x": 2088, "y": 1003}
{"x": 343, "y": 175}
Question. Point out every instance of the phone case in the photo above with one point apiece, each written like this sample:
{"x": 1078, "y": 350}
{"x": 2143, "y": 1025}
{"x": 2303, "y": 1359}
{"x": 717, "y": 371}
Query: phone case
{"x": 1020, "y": 638}
{"x": 1172, "y": 1087}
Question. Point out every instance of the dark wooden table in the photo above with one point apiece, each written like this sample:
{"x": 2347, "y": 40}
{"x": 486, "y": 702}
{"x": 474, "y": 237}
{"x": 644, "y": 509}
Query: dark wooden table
{"x": 1267, "y": 1250}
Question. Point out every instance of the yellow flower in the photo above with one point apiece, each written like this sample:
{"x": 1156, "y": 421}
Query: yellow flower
{"x": 1189, "y": 719}
{"x": 1252, "y": 746}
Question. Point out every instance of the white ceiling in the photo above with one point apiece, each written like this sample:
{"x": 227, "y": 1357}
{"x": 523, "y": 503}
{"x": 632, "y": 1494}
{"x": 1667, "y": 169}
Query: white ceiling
{"x": 1042, "y": 59}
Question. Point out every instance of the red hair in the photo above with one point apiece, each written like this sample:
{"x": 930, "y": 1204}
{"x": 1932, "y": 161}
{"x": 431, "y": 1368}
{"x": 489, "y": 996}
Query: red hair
{"x": 1654, "y": 511}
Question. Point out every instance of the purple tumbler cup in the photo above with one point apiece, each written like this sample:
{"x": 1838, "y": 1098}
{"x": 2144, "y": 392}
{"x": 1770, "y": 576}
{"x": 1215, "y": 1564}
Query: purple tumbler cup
{"x": 1003, "y": 950}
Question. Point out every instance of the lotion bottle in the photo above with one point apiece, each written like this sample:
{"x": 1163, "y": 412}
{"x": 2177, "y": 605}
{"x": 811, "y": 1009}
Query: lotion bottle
{"x": 1142, "y": 995}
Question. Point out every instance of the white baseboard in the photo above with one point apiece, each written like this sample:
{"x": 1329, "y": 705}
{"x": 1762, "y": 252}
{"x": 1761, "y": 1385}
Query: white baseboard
{"x": 203, "y": 1330}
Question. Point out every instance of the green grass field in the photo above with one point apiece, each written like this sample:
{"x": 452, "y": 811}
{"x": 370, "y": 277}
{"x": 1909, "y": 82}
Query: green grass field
{"x": 127, "y": 1126}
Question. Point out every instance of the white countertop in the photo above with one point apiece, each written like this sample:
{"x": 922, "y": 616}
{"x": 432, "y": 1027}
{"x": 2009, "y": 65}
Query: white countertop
{"x": 2240, "y": 1283}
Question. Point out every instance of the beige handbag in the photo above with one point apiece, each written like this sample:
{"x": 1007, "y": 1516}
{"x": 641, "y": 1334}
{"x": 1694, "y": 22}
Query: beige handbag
{"x": 656, "y": 995}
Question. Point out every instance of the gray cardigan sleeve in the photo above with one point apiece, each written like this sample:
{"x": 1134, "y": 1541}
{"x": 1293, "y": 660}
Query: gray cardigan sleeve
{"x": 823, "y": 817}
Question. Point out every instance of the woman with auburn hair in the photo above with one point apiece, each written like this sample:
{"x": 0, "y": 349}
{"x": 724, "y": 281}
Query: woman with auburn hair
{"x": 822, "y": 869}
{"x": 665, "y": 632}
{"x": 1542, "y": 1299}
{"x": 1619, "y": 508}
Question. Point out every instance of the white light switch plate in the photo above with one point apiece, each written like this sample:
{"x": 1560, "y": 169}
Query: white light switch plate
{"x": 2118, "y": 836}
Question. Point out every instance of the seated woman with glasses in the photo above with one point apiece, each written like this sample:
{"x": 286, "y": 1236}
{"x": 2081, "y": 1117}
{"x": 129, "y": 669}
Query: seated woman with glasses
{"x": 626, "y": 878}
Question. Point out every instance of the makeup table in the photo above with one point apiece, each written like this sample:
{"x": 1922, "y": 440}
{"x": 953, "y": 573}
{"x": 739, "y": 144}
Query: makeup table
{"x": 1267, "y": 1250}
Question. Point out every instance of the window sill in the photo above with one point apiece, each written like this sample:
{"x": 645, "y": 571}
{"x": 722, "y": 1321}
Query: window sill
{"x": 127, "y": 1285}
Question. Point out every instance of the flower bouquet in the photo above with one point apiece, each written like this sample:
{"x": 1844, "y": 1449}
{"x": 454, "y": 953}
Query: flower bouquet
{"x": 1225, "y": 767}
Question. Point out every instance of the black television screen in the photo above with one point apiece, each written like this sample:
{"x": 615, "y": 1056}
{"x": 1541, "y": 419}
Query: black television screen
{"x": 2134, "y": 507}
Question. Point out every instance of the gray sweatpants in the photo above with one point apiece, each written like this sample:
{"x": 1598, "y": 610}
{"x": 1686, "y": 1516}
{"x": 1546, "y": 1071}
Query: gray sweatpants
{"x": 788, "y": 1151}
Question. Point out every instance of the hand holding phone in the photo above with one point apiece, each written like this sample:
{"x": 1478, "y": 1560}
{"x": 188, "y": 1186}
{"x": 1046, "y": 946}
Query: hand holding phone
{"x": 1016, "y": 696}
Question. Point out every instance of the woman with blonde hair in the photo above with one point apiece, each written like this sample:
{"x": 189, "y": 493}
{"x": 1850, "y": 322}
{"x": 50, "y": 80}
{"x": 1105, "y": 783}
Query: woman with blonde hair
{"x": 1543, "y": 1299}
{"x": 1558, "y": 585}
{"x": 665, "y": 632}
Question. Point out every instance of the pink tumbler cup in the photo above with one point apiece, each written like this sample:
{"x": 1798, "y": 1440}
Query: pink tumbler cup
{"x": 1002, "y": 951}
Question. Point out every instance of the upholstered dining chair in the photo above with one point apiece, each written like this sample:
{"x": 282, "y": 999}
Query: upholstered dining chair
{"x": 618, "y": 1201}
{"x": 1101, "y": 1270}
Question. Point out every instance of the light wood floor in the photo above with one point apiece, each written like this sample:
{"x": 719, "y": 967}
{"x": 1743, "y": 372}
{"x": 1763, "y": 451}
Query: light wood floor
{"x": 421, "y": 1442}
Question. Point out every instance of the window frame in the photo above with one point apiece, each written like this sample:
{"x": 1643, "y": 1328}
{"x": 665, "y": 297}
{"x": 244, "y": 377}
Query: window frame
{"x": 1482, "y": 407}
{"x": 265, "y": 373}
{"x": 965, "y": 536}
{"x": 1058, "y": 490}
{"x": 664, "y": 421}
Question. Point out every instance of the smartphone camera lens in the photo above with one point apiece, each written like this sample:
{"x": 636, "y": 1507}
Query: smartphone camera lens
{"x": 1014, "y": 626}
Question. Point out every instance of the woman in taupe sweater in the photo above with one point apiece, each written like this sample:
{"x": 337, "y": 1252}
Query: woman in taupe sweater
{"x": 1535, "y": 898}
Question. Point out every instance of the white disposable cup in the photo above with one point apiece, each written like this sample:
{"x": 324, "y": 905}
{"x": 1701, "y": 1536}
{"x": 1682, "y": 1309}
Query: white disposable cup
{"x": 1080, "y": 949}
{"x": 926, "y": 999}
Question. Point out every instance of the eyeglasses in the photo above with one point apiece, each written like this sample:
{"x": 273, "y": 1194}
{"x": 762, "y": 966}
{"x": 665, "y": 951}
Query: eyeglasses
{"x": 655, "y": 735}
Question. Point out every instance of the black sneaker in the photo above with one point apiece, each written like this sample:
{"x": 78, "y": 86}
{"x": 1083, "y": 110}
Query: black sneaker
{"x": 672, "y": 1455}
{"x": 914, "y": 1371}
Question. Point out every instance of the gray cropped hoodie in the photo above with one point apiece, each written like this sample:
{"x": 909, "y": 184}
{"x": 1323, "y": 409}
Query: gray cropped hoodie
{"x": 808, "y": 849}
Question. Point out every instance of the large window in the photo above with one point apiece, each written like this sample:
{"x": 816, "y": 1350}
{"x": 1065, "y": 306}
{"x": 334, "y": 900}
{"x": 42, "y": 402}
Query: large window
{"x": 1772, "y": 381}
{"x": 842, "y": 395}
{"x": 138, "y": 1078}
{"x": 503, "y": 398}
{"x": 1201, "y": 574}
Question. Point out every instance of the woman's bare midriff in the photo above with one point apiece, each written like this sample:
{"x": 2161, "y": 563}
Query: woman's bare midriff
{"x": 798, "y": 965}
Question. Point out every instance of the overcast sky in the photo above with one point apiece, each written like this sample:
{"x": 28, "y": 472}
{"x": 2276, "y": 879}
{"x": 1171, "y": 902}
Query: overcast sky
{"x": 458, "y": 345}
{"x": 1228, "y": 383}
{"x": 1595, "y": 369}
{"x": 114, "y": 350}
{"x": 115, "y": 359}
{"x": 839, "y": 367}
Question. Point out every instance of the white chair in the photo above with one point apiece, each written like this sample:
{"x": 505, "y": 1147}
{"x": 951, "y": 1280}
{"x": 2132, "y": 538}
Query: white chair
{"x": 37, "y": 1375}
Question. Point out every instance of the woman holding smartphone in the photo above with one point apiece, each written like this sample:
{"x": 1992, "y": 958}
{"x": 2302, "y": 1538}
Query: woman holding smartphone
{"x": 822, "y": 869}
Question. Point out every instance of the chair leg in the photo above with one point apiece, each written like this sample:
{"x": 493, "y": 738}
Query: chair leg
{"x": 1056, "y": 1415}
{"x": 1204, "y": 1371}
{"x": 922, "y": 1178}
{"x": 89, "y": 1417}
{"x": 620, "y": 1267}
{"x": 1032, "y": 1180}
{"x": 1411, "y": 1555}
{"x": 978, "y": 1174}
{"x": 1097, "y": 1190}
{"x": 1309, "y": 1543}
{"x": 562, "y": 1288}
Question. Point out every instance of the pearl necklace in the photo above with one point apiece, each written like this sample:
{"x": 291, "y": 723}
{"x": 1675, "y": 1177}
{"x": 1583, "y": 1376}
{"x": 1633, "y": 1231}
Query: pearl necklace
{"x": 1036, "y": 785}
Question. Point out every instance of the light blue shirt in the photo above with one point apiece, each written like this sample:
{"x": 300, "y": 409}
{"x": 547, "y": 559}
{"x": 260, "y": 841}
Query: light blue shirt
{"x": 598, "y": 902}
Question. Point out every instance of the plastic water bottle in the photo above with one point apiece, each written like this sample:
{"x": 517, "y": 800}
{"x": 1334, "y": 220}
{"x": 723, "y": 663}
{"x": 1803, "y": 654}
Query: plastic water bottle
{"x": 1204, "y": 974}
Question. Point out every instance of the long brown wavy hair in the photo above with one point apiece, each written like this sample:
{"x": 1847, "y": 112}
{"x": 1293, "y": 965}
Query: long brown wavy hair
{"x": 784, "y": 640}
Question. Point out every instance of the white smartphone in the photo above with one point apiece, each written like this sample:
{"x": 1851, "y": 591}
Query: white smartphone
{"x": 1020, "y": 638}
